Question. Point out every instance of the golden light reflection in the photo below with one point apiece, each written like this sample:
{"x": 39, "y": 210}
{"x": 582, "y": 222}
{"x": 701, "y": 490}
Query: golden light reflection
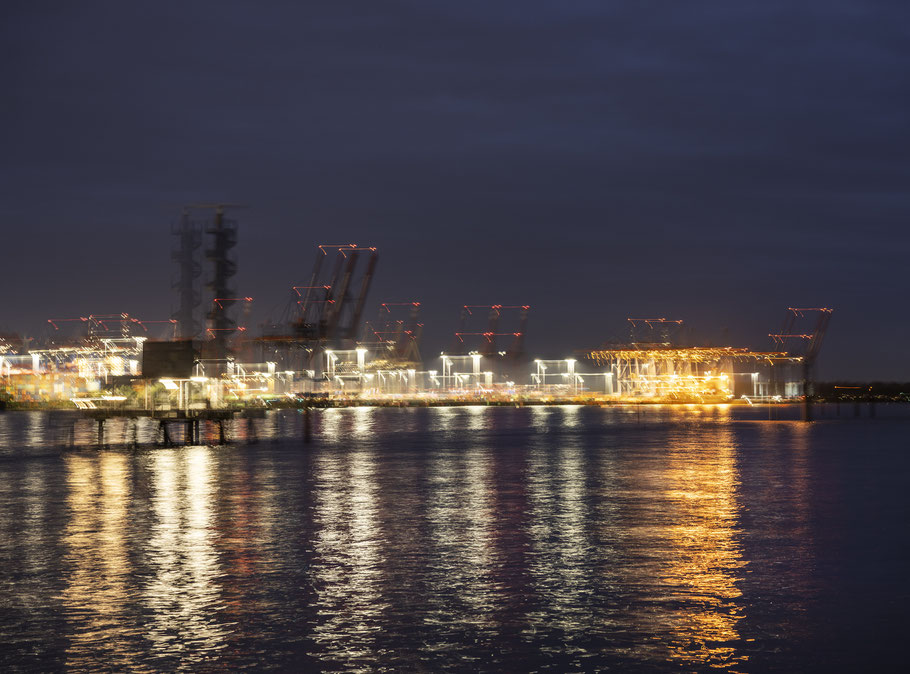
{"x": 97, "y": 586}
{"x": 696, "y": 552}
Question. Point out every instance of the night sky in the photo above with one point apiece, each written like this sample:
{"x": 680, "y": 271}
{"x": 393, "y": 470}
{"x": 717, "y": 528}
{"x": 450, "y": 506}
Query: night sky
{"x": 710, "y": 161}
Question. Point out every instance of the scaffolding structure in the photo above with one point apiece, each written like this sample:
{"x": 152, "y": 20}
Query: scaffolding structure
{"x": 220, "y": 325}
{"x": 189, "y": 271}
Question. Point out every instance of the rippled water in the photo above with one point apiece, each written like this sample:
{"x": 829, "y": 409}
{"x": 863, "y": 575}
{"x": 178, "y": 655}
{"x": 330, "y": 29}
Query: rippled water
{"x": 533, "y": 539}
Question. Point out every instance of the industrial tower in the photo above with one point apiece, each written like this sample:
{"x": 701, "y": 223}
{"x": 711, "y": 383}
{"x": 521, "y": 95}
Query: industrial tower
{"x": 186, "y": 255}
{"x": 222, "y": 233}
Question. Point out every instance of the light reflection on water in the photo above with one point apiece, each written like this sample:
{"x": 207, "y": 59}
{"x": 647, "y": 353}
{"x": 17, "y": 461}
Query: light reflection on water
{"x": 95, "y": 591}
{"x": 474, "y": 552}
{"x": 561, "y": 566}
{"x": 700, "y": 497}
{"x": 182, "y": 593}
{"x": 454, "y": 538}
{"x": 347, "y": 560}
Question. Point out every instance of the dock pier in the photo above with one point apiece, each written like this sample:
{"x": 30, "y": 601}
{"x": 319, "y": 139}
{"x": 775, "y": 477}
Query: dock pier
{"x": 193, "y": 422}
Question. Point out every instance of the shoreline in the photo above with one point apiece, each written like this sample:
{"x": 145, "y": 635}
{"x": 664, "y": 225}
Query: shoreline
{"x": 333, "y": 403}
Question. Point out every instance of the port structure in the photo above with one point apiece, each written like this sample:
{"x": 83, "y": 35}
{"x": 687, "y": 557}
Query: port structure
{"x": 562, "y": 373}
{"x": 393, "y": 338}
{"x": 620, "y": 373}
{"x": 220, "y": 326}
{"x": 485, "y": 341}
{"x": 324, "y": 313}
{"x": 655, "y": 368}
{"x": 802, "y": 335}
{"x": 500, "y": 339}
{"x": 329, "y": 312}
{"x": 654, "y": 330}
{"x": 383, "y": 362}
{"x": 97, "y": 327}
{"x": 93, "y": 348}
{"x": 463, "y": 374}
{"x": 185, "y": 254}
{"x": 685, "y": 373}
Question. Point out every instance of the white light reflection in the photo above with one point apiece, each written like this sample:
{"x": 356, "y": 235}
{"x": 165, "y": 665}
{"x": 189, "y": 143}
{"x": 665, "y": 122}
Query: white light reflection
{"x": 34, "y": 491}
{"x": 476, "y": 418}
{"x": 540, "y": 418}
{"x": 37, "y": 428}
{"x": 561, "y": 565}
{"x": 571, "y": 415}
{"x": 270, "y": 426}
{"x": 347, "y": 563}
{"x": 362, "y": 421}
{"x": 330, "y": 421}
{"x": 183, "y": 596}
{"x": 478, "y": 514}
{"x": 442, "y": 418}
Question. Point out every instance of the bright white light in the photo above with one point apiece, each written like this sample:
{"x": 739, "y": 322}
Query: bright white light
{"x": 169, "y": 384}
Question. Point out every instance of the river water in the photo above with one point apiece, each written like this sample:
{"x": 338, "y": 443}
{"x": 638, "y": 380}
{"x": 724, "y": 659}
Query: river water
{"x": 461, "y": 539}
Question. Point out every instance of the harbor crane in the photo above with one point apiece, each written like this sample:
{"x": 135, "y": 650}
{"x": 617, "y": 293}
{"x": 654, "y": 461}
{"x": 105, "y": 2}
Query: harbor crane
{"x": 806, "y": 344}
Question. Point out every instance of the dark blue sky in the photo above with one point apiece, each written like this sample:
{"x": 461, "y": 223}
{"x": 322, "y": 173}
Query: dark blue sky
{"x": 711, "y": 161}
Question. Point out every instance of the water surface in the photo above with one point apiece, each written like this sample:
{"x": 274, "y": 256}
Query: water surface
{"x": 458, "y": 539}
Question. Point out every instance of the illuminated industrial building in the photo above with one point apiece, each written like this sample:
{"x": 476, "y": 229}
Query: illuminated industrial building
{"x": 321, "y": 348}
{"x": 697, "y": 373}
